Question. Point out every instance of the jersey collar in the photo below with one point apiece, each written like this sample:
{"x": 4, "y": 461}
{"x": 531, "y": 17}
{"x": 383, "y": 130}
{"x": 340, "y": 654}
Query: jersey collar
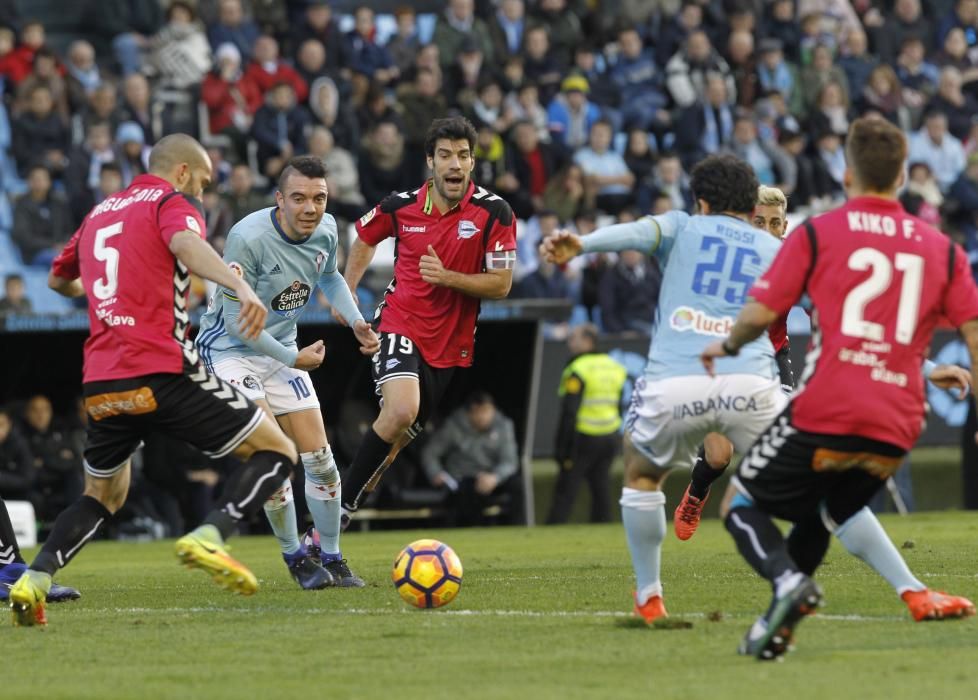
{"x": 282, "y": 234}
{"x": 869, "y": 200}
{"x": 428, "y": 206}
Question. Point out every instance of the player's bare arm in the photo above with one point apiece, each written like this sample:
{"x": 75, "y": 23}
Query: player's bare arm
{"x": 491, "y": 284}
{"x": 65, "y": 287}
{"x": 752, "y": 321}
{"x": 561, "y": 247}
{"x": 190, "y": 249}
{"x": 951, "y": 377}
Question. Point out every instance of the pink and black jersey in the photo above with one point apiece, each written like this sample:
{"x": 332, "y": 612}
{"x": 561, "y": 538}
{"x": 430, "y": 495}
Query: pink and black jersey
{"x": 879, "y": 280}
{"x": 137, "y": 290}
{"x": 440, "y": 321}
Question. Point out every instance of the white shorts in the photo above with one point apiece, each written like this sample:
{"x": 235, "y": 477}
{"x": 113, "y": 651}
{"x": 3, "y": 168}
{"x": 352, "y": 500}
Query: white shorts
{"x": 286, "y": 390}
{"x": 669, "y": 418}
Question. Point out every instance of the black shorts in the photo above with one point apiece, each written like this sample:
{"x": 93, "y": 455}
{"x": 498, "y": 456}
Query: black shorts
{"x": 399, "y": 358}
{"x": 198, "y": 408}
{"x": 791, "y": 474}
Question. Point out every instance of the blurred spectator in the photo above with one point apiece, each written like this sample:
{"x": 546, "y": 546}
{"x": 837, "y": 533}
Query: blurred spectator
{"x": 707, "y": 126}
{"x": 964, "y": 15}
{"x": 14, "y": 301}
{"x": 530, "y": 165}
{"x": 130, "y": 24}
{"x": 466, "y": 74}
{"x": 334, "y": 113}
{"x": 639, "y": 82}
{"x": 83, "y": 74}
{"x": 84, "y": 168}
{"x": 310, "y": 63}
{"x": 640, "y": 157}
{"x": 962, "y": 202}
{"x": 818, "y": 74}
{"x": 814, "y": 32}
{"x": 506, "y": 27}
{"x": 15, "y": 61}
{"x": 488, "y": 107}
{"x": 830, "y": 111}
{"x": 884, "y": 94}
{"x": 318, "y": 23}
{"x": 57, "y": 465}
{"x": 421, "y": 102}
{"x": 960, "y": 109}
{"x": 490, "y": 156}
{"x": 628, "y": 294}
{"x": 525, "y": 105}
{"x": 942, "y": 152}
{"x": 837, "y": 16}
{"x": 564, "y": 193}
{"x": 590, "y": 64}
{"x": 18, "y": 62}
{"x": 769, "y": 162}
{"x": 922, "y": 196}
{"x": 404, "y": 45}
{"x": 802, "y": 188}
{"x": 672, "y": 36}
{"x": 231, "y": 99}
{"x": 232, "y": 27}
{"x": 686, "y": 71}
{"x": 474, "y": 455}
{"x": 773, "y": 72}
{"x": 102, "y": 106}
{"x": 365, "y": 54}
{"x": 571, "y": 115}
{"x": 179, "y": 53}
{"x": 342, "y": 177}
{"x": 540, "y": 65}
{"x": 905, "y": 21}
{"x": 670, "y": 179}
{"x": 743, "y": 67}
{"x": 538, "y": 228}
{"x": 829, "y": 165}
{"x": 546, "y": 280}
{"x": 918, "y": 77}
{"x": 217, "y": 217}
{"x": 136, "y": 104}
{"x": 587, "y": 438}
{"x": 132, "y": 153}
{"x": 378, "y": 106}
{"x": 781, "y": 25}
{"x": 563, "y": 26}
{"x": 241, "y": 197}
{"x": 42, "y": 220}
{"x": 109, "y": 183}
{"x": 44, "y": 71}
{"x": 606, "y": 176}
{"x": 267, "y": 70}
{"x": 955, "y": 54}
{"x": 279, "y": 129}
{"x": 457, "y": 24}
{"x": 16, "y": 462}
{"x": 857, "y": 64}
{"x": 382, "y": 166}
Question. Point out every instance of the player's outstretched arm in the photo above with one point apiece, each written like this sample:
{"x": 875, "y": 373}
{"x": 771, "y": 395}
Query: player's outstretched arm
{"x": 344, "y": 307}
{"x": 66, "y": 288}
{"x": 491, "y": 284}
{"x": 948, "y": 377}
{"x": 561, "y": 247}
{"x": 190, "y": 249}
{"x": 751, "y": 322}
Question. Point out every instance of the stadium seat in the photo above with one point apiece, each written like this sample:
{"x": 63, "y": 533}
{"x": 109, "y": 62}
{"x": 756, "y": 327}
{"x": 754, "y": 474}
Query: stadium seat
{"x": 43, "y": 299}
{"x": 10, "y": 260}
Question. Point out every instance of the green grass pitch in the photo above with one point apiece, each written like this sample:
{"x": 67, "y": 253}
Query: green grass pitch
{"x": 542, "y": 614}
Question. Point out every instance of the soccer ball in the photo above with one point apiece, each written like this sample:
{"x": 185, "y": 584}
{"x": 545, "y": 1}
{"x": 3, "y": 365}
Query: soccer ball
{"x": 427, "y": 574}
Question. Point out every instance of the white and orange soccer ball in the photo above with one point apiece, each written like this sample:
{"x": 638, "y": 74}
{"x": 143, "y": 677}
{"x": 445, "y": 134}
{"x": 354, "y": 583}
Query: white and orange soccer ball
{"x": 427, "y": 574}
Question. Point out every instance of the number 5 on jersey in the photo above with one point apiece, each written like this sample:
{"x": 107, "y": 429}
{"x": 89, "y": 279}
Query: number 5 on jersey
{"x": 105, "y": 287}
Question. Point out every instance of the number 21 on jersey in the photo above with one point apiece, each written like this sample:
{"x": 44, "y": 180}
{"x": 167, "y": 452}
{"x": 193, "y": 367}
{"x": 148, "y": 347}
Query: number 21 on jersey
{"x": 854, "y": 322}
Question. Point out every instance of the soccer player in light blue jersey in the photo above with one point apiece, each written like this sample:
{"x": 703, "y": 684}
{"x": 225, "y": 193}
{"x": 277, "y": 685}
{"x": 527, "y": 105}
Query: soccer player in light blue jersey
{"x": 709, "y": 262}
{"x": 284, "y": 252}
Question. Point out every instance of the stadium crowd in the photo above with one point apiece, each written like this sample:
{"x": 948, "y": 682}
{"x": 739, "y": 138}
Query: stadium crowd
{"x": 588, "y": 111}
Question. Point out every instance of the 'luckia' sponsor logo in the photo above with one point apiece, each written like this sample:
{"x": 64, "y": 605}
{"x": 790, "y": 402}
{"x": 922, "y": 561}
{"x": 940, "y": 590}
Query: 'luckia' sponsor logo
{"x": 290, "y": 300}
{"x": 686, "y": 319}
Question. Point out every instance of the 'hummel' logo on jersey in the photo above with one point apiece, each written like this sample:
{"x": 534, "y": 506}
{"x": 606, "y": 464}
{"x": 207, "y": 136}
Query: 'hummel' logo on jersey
{"x": 277, "y": 270}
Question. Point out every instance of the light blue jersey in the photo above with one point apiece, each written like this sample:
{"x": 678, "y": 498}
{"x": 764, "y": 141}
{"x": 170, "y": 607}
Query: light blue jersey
{"x": 284, "y": 274}
{"x": 709, "y": 263}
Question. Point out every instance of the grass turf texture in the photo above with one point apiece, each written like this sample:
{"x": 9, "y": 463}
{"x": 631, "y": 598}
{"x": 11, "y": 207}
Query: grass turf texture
{"x": 541, "y": 614}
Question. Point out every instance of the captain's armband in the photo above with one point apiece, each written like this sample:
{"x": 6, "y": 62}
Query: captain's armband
{"x": 501, "y": 260}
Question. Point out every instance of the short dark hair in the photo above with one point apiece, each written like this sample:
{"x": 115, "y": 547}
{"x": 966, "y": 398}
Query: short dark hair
{"x": 875, "y": 151}
{"x": 478, "y": 398}
{"x": 109, "y": 167}
{"x": 726, "y": 183}
{"x": 307, "y": 166}
{"x": 451, "y": 128}
{"x": 13, "y": 277}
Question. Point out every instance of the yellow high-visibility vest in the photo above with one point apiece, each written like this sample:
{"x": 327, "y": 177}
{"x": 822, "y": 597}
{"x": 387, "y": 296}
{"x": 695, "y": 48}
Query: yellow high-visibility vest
{"x": 601, "y": 380}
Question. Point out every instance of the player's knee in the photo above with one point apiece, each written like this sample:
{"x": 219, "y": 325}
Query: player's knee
{"x": 111, "y": 493}
{"x": 322, "y": 475}
{"x": 398, "y": 418}
{"x": 718, "y": 450}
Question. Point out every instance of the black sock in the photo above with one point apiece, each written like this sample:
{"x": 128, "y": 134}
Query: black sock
{"x": 248, "y": 488}
{"x": 703, "y": 476}
{"x": 808, "y": 542}
{"x": 9, "y": 551}
{"x": 76, "y": 525}
{"x": 759, "y": 542}
{"x": 370, "y": 456}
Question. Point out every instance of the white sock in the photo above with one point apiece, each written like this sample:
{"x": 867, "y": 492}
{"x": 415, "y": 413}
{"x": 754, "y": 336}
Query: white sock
{"x": 864, "y": 537}
{"x": 323, "y": 492}
{"x": 644, "y": 516}
{"x": 280, "y": 511}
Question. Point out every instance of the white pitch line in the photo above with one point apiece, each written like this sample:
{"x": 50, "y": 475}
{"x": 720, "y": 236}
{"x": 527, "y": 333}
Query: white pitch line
{"x": 462, "y": 613}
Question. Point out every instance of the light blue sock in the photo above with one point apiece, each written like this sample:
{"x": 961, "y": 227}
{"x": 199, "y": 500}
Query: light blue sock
{"x": 280, "y": 511}
{"x": 644, "y": 516}
{"x": 323, "y": 491}
{"x": 864, "y": 537}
